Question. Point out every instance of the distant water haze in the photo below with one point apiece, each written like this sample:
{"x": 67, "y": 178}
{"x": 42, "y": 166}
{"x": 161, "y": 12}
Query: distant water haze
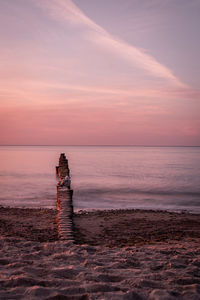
{"x": 103, "y": 177}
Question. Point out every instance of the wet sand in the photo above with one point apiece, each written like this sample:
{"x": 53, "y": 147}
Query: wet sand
{"x": 116, "y": 255}
{"x": 118, "y": 228}
{"x": 30, "y": 224}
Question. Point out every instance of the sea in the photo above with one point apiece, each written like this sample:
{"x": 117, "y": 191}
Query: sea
{"x": 103, "y": 177}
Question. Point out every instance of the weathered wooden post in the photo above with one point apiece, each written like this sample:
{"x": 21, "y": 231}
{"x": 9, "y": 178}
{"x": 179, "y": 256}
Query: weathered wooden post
{"x": 64, "y": 199}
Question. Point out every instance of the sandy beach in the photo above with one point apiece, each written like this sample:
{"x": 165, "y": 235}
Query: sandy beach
{"x": 125, "y": 254}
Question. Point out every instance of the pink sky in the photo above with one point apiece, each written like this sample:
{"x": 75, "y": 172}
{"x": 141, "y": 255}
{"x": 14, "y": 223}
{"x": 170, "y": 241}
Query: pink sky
{"x": 99, "y": 72}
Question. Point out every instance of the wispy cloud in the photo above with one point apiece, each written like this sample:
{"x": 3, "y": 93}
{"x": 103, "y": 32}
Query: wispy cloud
{"x": 66, "y": 10}
{"x": 34, "y": 92}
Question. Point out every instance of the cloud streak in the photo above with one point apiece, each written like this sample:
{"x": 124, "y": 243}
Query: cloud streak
{"x": 66, "y": 10}
{"x": 33, "y": 92}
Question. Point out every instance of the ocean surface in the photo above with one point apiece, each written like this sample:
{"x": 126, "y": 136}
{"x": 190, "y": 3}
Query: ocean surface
{"x": 103, "y": 177}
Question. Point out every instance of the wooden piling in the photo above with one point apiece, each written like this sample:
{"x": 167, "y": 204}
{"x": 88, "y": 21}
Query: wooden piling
{"x": 57, "y": 167}
{"x": 64, "y": 200}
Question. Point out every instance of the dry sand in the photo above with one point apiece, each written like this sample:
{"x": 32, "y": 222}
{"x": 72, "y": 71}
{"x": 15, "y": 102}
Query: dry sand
{"x": 128, "y": 255}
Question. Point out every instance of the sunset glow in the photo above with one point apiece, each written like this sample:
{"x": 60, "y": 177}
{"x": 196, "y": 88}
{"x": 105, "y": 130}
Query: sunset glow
{"x": 99, "y": 72}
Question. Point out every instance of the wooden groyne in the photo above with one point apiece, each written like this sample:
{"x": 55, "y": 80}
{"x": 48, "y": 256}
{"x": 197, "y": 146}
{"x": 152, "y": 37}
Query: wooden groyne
{"x": 64, "y": 200}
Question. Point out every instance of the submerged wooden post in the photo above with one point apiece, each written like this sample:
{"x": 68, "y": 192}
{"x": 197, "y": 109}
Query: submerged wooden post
{"x": 64, "y": 199}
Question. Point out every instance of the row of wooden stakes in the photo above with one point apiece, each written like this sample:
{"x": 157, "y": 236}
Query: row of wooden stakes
{"x": 64, "y": 200}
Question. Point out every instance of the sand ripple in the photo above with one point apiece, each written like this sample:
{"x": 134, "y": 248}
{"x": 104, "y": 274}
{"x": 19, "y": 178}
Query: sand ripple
{"x": 62, "y": 270}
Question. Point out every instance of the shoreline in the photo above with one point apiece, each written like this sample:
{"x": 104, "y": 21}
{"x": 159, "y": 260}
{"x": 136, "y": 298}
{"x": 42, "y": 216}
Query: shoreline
{"x": 108, "y": 228}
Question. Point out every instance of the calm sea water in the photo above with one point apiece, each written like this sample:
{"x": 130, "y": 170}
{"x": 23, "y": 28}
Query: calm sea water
{"x": 103, "y": 177}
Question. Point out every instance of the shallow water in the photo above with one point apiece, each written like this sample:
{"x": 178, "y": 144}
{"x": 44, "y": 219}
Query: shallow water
{"x": 103, "y": 177}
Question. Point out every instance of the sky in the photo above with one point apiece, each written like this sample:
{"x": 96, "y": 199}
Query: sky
{"x": 109, "y": 72}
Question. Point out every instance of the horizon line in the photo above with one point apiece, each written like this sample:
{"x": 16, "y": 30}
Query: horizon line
{"x": 94, "y": 145}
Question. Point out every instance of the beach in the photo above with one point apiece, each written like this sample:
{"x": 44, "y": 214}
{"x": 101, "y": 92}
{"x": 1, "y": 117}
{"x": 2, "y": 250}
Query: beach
{"x": 124, "y": 254}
